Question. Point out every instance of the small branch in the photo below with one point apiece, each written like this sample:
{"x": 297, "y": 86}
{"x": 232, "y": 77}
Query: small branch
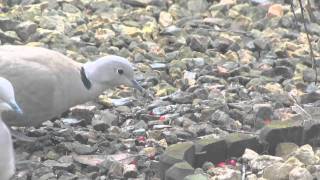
{"x": 294, "y": 14}
{"x": 309, "y": 42}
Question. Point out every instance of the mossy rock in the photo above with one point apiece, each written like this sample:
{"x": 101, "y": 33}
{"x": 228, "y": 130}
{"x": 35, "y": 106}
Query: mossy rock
{"x": 176, "y": 153}
{"x": 238, "y": 142}
{"x": 281, "y": 131}
{"x": 210, "y": 149}
{"x": 179, "y": 171}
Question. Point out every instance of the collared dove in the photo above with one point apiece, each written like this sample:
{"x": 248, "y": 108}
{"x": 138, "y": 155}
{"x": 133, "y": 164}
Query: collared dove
{"x": 48, "y": 83}
{"x": 7, "y": 102}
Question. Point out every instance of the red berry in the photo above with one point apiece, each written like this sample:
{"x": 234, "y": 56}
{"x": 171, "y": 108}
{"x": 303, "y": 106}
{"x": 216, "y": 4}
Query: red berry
{"x": 162, "y": 118}
{"x": 232, "y": 162}
{"x": 135, "y": 162}
{"x": 221, "y": 164}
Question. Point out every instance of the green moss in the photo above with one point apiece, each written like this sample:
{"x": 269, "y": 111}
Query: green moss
{"x": 208, "y": 140}
{"x": 183, "y": 165}
{"x": 282, "y": 124}
{"x": 178, "y": 150}
{"x": 233, "y": 137}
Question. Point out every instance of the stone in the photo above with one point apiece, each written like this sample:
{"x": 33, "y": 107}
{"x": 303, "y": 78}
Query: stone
{"x": 238, "y": 142}
{"x": 182, "y": 97}
{"x": 103, "y": 121}
{"x": 264, "y": 161}
{"x": 174, "y": 154}
{"x": 26, "y": 29}
{"x": 179, "y": 171}
{"x": 196, "y": 177}
{"x": 225, "y": 173}
{"x": 165, "y": 19}
{"x": 221, "y": 44}
{"x": 170, "y": 137}
{"x": 283, "y": 71}
{"x": 281, "y": 131}
{"x": 300, "y": 173}
{"x": 210, "y": 149}
{"x": 197, "y": 6}
{"x": 275, "y": 10}
{"x": 58, "y": 165}
{"x": 277, "y": 171}
{"x": 249, "y": 155}
{"x": 285, "y": 149}
{"x": 79, "y": 148}
{"x": 8, "y": 36}
{"x": 8, "y": 23}
{"x": 130, "y": 171}
{"x": 137, "y": 3}
{"x": 312, "y": 131}
{"x": 199, "y": 43}
{"x": 306, "y": 155}
{"x": 309, "y": 75}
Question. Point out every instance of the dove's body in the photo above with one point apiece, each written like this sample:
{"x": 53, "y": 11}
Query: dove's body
{"x": 7, "y": 103}
{"x": 48, "y": 83}
{"x": 7, "y": 164}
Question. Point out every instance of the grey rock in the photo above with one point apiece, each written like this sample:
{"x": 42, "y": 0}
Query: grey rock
{"x": 310, "y": 97}
{"x": 238, "y": 142}
{"x": 196, "y": 177}
{"x": 69, "y": 8}
{"x": 137, "y": 3}
{"x": 226, "y": 173}
{"x": 68, "y": 176}
{"x": 282, "y": 71}
{"x": 281, "y": 131}
{"x": 210, "y": 149}
{"x": 285, "y": 149}
{"x": 249, "y": 155}
{"x": 103, "y": 121}
{"x": 176, "y": 153}
{"x": 221, "y": 45}
{"x": 8, "y": 37}
{"x": 261, "y": 44}
{"x": 179, "y": 171}
{"x": 261, "y": 162}
{"x": 277, "y": 171}
{"x": 309, "y": 75}
{"x": 171, "y": 137}
{"x": 306, "y": 155}
{"x": 197, "y": 6}
{"x": 164, "y": 109}
{"x": 26, "y": 29}
{"x": 115, "y": 168}
{"x": 182, "y": 97}
{"x": 58, "y": 165}
{"x": 300, "y": 173}
{"x": 78, "y": 148}
{"x": 8, "y": 24}
{"x": 199, "y": 43}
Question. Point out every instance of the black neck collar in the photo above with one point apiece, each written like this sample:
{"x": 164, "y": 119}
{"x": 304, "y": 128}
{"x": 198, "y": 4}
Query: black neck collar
{"x": 86, "y": 82}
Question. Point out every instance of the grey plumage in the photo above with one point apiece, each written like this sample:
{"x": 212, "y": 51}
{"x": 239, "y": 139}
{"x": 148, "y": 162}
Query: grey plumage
{"x": 7, "y": 103}
{"x": 48, "y": 83}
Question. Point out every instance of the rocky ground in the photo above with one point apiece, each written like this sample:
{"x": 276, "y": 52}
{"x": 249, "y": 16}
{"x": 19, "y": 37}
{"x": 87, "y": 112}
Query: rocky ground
{"x": 212, "y": 68}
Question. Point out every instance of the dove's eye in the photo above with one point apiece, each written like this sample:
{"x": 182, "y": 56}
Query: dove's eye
{"x": 120, "y": 71}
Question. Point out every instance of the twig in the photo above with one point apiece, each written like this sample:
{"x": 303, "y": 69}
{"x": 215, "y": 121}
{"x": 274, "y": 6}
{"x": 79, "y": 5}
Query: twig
{"x": 294, "y": 14}
{"x": 309, "y": 42}
{"x": 243, "y": 171}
